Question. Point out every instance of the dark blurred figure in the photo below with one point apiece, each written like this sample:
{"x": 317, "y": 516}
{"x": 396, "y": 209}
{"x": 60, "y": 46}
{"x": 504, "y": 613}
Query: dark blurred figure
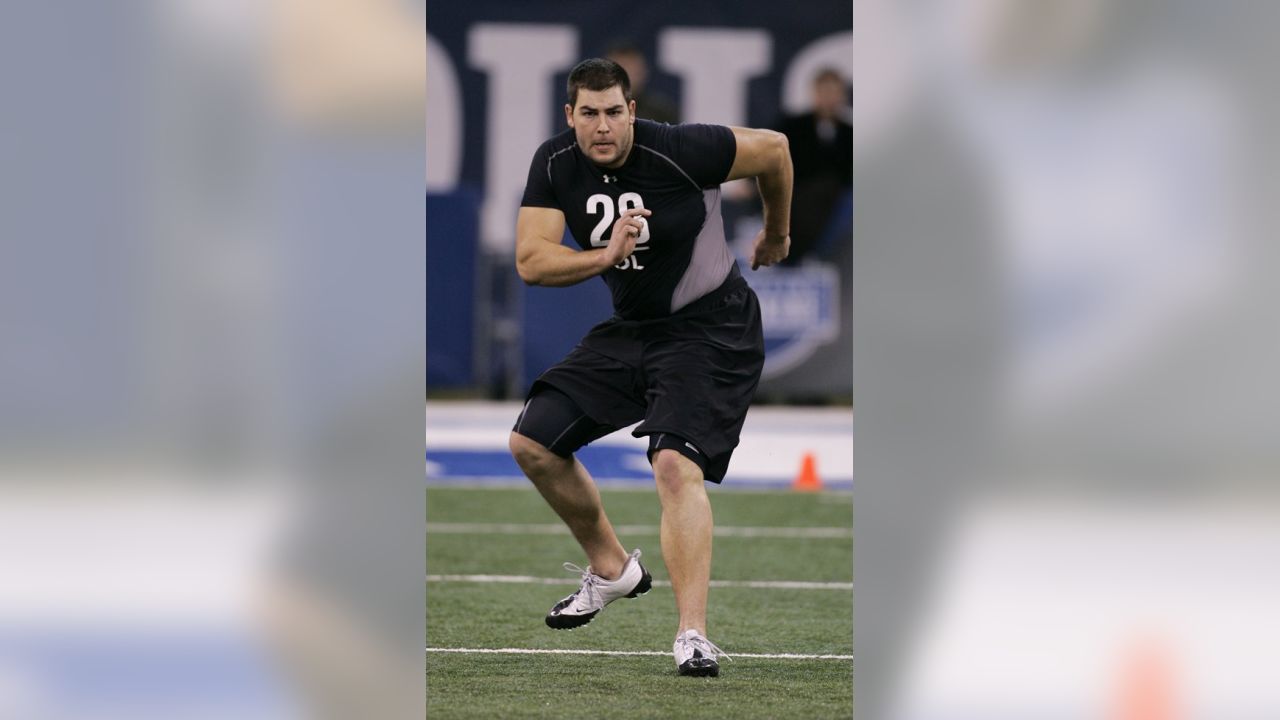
{"x": 650, "y": 105}
{"x": 822, "y": 153}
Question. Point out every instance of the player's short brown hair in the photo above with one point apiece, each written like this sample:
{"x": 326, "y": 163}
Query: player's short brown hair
{"x": 597, "y": 74}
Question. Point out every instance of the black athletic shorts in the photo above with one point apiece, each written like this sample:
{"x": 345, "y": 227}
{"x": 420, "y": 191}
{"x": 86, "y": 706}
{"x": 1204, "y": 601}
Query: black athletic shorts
{"x": 690, "y": 377}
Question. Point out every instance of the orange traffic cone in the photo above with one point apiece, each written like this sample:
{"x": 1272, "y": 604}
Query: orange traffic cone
{"x": 1147, "y": 687}
{"x": 807, "y": 480}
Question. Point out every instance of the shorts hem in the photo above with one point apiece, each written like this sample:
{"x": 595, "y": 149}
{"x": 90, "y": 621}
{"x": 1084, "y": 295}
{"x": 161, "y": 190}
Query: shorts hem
{"x": 710, "y": 465}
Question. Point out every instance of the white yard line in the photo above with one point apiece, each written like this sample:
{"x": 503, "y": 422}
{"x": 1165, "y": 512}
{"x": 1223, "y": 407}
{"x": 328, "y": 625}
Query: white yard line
{"x": 568, "y": 581}
{"x": 842, "y": 533}
{"x": 528, "y": 651}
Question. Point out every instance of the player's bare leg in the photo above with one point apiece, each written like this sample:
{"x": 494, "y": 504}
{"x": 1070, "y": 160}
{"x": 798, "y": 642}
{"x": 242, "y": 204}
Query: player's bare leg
{"x": 686, "y": 535}
{"x": 568, "y": 488}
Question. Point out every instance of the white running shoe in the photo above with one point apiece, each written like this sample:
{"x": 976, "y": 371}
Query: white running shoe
{"x": 595, "y": 592}
{"x": 696, "y": 655}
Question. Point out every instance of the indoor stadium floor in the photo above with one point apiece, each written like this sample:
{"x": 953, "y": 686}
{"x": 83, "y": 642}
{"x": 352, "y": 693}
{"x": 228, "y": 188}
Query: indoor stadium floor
{"x": 781, "y": 597}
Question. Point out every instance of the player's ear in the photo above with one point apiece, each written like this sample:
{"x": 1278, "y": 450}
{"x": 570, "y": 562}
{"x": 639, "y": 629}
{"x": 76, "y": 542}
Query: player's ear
{"x": 568, "y": 114}
{"x": 631, "y": 106}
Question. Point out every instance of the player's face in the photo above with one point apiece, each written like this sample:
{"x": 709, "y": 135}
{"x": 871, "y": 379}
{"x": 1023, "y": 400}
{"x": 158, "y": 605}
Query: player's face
{"x": 603, "y": 121}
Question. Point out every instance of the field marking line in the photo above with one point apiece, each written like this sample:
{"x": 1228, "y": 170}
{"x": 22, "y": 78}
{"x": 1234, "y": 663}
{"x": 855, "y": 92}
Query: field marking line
{"x": 444, "y": 528}
{"x": 528, "y": 651}
{"x": 530, "y": 580}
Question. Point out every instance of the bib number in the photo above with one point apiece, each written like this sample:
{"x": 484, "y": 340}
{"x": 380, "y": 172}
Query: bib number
{"x": 603, "y": 204}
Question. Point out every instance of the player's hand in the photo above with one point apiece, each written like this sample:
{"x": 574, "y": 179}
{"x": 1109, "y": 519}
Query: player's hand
{"x": 626, "y": 230}
{"x": 769, "y": 249}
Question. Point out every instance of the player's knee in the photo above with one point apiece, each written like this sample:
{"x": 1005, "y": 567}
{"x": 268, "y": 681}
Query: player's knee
{"x": 674, "y": 472}
{"x": 531, "y": 456}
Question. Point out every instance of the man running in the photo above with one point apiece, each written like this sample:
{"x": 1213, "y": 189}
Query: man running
{"x": 683, "y": 351}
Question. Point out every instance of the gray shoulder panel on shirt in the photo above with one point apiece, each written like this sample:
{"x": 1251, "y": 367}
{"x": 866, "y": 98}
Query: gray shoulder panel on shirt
{"x": 711, "y": 259}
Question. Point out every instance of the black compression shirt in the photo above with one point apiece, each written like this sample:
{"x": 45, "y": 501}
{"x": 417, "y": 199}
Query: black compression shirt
{"x": 675, "y": 171}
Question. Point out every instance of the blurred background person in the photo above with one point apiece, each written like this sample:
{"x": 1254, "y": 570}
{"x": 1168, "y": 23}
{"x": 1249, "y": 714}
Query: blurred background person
{"x": 822, "y": 153}
{"x": 650, "y": 104}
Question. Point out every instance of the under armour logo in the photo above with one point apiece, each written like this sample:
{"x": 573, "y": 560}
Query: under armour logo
{"x": 610, "y": 178}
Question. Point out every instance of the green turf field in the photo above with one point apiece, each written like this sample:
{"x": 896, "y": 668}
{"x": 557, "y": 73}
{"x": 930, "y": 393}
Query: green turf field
{"x": 741, "y": 620}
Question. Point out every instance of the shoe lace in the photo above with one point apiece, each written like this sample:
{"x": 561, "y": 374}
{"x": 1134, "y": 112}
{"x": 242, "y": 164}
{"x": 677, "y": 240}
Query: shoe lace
{"x": 707, "y": 647}
{"x": 590, "y": 583}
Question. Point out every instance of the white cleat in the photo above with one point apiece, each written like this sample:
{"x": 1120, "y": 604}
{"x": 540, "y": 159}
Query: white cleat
{"x": 595, "y": 592}
{"x": 696, "y": 655}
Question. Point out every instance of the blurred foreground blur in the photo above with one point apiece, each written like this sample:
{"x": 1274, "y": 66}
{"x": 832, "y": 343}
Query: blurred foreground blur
{"x": 211, "y": 360}
{"x": 1065, "y": 436}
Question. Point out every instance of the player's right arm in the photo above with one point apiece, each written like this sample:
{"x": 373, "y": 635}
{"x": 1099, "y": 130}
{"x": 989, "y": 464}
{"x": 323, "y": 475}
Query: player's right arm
{"x": 542, "y": 260}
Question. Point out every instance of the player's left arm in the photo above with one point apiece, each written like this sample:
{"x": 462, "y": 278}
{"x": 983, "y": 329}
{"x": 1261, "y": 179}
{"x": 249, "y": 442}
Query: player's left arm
{"x": 766, "y": 156}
